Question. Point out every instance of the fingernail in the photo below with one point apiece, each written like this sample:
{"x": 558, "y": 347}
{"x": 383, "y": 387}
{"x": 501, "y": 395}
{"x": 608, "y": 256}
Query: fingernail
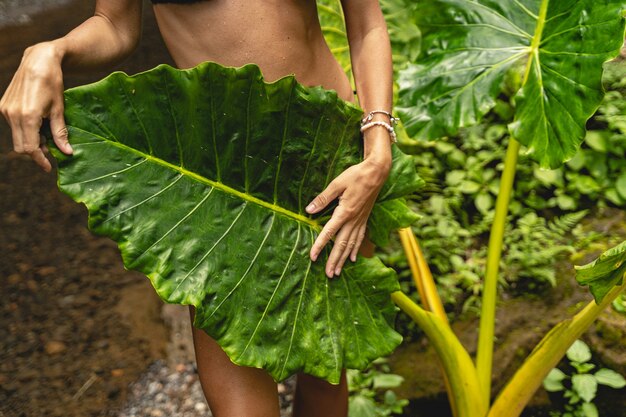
{"x": 329, "y": 272}
{"x": 353, "y": 258}
{"x": 310, "y": 207}
{"x": 68, "y": 147}
{"x": 314, "y": 256}
{"x": 337, "y": 271}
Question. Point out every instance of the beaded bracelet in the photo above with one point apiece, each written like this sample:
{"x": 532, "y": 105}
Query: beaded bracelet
{"x": 392, "y": 133}
{"x": 370, "y": 116}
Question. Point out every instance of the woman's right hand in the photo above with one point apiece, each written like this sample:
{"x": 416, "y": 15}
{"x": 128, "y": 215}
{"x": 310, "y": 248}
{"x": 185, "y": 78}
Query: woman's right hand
{"x": 35, "y": 93}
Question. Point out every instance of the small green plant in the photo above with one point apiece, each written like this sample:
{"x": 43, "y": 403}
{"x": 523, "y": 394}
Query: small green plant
{"x": 371, "y": 394}
{"x": 581, "y": 386}
{"x": 619, "y": 304}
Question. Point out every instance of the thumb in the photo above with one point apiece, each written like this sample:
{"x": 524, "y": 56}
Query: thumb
{"x": 329, "y": 194}
{"x": 59, "y": 130}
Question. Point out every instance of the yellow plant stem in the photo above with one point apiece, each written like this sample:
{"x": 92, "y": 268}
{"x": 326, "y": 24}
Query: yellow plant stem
{"x": 458, "y": 367}
{"x": 427, "y": 289}
{"x": 422, "y": 276}
{"x": 547, "y": 354}
{"x": 484, "y": 355}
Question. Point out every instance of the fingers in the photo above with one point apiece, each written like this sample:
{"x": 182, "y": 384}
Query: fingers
{"x": 40, "y": 159}
{"x": 359, "y": 241}
{"x": 339, "y": 247}
{"x": 25, "y": 123}
{"x": 26, "y": 140}
{"x": 327, "y": 233}
{"x": 59, "y": 131}
{"x": 329, "y": 194}
{"x": 343, "y": 248}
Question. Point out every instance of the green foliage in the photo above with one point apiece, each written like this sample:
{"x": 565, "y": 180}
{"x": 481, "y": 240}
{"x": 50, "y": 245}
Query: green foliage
{"x": 533, "y": 245}
{"x": 538, "y": 66}
{"x": 202, "y": 176}
{"x": 619, "y": 304}
{"x": 371, "y": 392}
{"x": 462, "y": 176}
{"x": 334, "y": 31}
{"x": 593, "y": 177}
{"x": 580, "y": 388}
{"x": 605, "y": 272}
{"x": 472, "y": 48}
{"x": 404, "y": 34}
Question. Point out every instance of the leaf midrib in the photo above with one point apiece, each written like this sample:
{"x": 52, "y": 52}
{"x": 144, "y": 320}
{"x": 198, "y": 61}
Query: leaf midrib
{"x": 536, "y": 40}
{"x": 215, "y": 184}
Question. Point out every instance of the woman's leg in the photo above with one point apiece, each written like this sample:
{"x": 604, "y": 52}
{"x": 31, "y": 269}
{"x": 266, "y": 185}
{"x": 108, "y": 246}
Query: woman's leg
{"x": 316, "y": 397}
{"x": 231, "y": 390}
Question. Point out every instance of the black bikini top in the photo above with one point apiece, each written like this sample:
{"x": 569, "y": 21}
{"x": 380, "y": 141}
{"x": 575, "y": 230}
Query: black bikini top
{"x": 176, "y": 1}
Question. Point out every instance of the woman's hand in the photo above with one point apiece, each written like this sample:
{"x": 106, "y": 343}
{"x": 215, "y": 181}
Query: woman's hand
{"x": 35, "y": 93}
{"x": 357, "y": 189}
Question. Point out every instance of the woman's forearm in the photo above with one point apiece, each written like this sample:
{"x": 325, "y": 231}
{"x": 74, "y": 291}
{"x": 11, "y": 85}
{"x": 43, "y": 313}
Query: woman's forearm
{"x": 370, "y": 52}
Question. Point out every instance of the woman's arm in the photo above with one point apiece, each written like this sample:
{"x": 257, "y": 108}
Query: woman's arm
{"x": 36, "y": 91}
{"x": 358, "y": 186}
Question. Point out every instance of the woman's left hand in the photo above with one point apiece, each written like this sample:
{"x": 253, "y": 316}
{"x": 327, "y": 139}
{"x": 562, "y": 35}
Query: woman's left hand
{"x": 357, "y": 189}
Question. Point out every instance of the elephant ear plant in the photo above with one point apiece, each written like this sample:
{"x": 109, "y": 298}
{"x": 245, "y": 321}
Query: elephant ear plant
{"x": 201, "y": 176}
{"x": 548, "y": 56}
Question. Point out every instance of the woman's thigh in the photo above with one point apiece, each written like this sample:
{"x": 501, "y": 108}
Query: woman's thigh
{"x": 315, "y": 397}
{"x": 235, "y": 391}
{"x": 232, "y": 390}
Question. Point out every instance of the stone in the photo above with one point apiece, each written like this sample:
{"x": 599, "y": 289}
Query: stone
{"x": 200, "y": 407}
{"x": 14, "y": 279}
{"x": 46, "y": 271}
{"x": 55, "y": 347}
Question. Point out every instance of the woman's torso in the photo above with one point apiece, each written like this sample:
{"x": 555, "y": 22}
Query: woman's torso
{"x": 281, "y": 36}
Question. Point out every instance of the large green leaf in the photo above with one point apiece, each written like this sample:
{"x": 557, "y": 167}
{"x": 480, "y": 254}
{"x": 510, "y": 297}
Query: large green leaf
{"x": 202, "y": 176}
{"x": 553, "y": 50}
{"x": 605, "y": 272}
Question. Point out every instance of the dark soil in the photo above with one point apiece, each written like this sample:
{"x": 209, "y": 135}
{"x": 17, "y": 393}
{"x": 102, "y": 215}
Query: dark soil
{"x": 67, "y": 345}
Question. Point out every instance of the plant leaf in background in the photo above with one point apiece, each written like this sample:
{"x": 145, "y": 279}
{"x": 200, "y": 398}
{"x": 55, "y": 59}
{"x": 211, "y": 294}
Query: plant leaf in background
{"x": 610, "y": 378}
{"x": 333, "y": 26}
{"x": 471, "y": 48}
{"x": 604, "y": 273}
{"x": 579, "y": 352}
{"x": 403, "y": 33}
{"x": 202, "y": 176}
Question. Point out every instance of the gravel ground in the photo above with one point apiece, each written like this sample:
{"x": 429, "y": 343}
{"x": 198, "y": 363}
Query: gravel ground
{"x": 166, "y": 392}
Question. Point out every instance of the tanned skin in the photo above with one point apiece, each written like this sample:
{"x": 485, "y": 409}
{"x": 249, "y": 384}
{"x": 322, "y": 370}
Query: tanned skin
{"x": 283, "y": 37}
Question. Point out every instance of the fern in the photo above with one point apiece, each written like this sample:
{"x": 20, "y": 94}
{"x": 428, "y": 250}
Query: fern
{"x": 566, "y": 223}
{"x": 534, "y": 244}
